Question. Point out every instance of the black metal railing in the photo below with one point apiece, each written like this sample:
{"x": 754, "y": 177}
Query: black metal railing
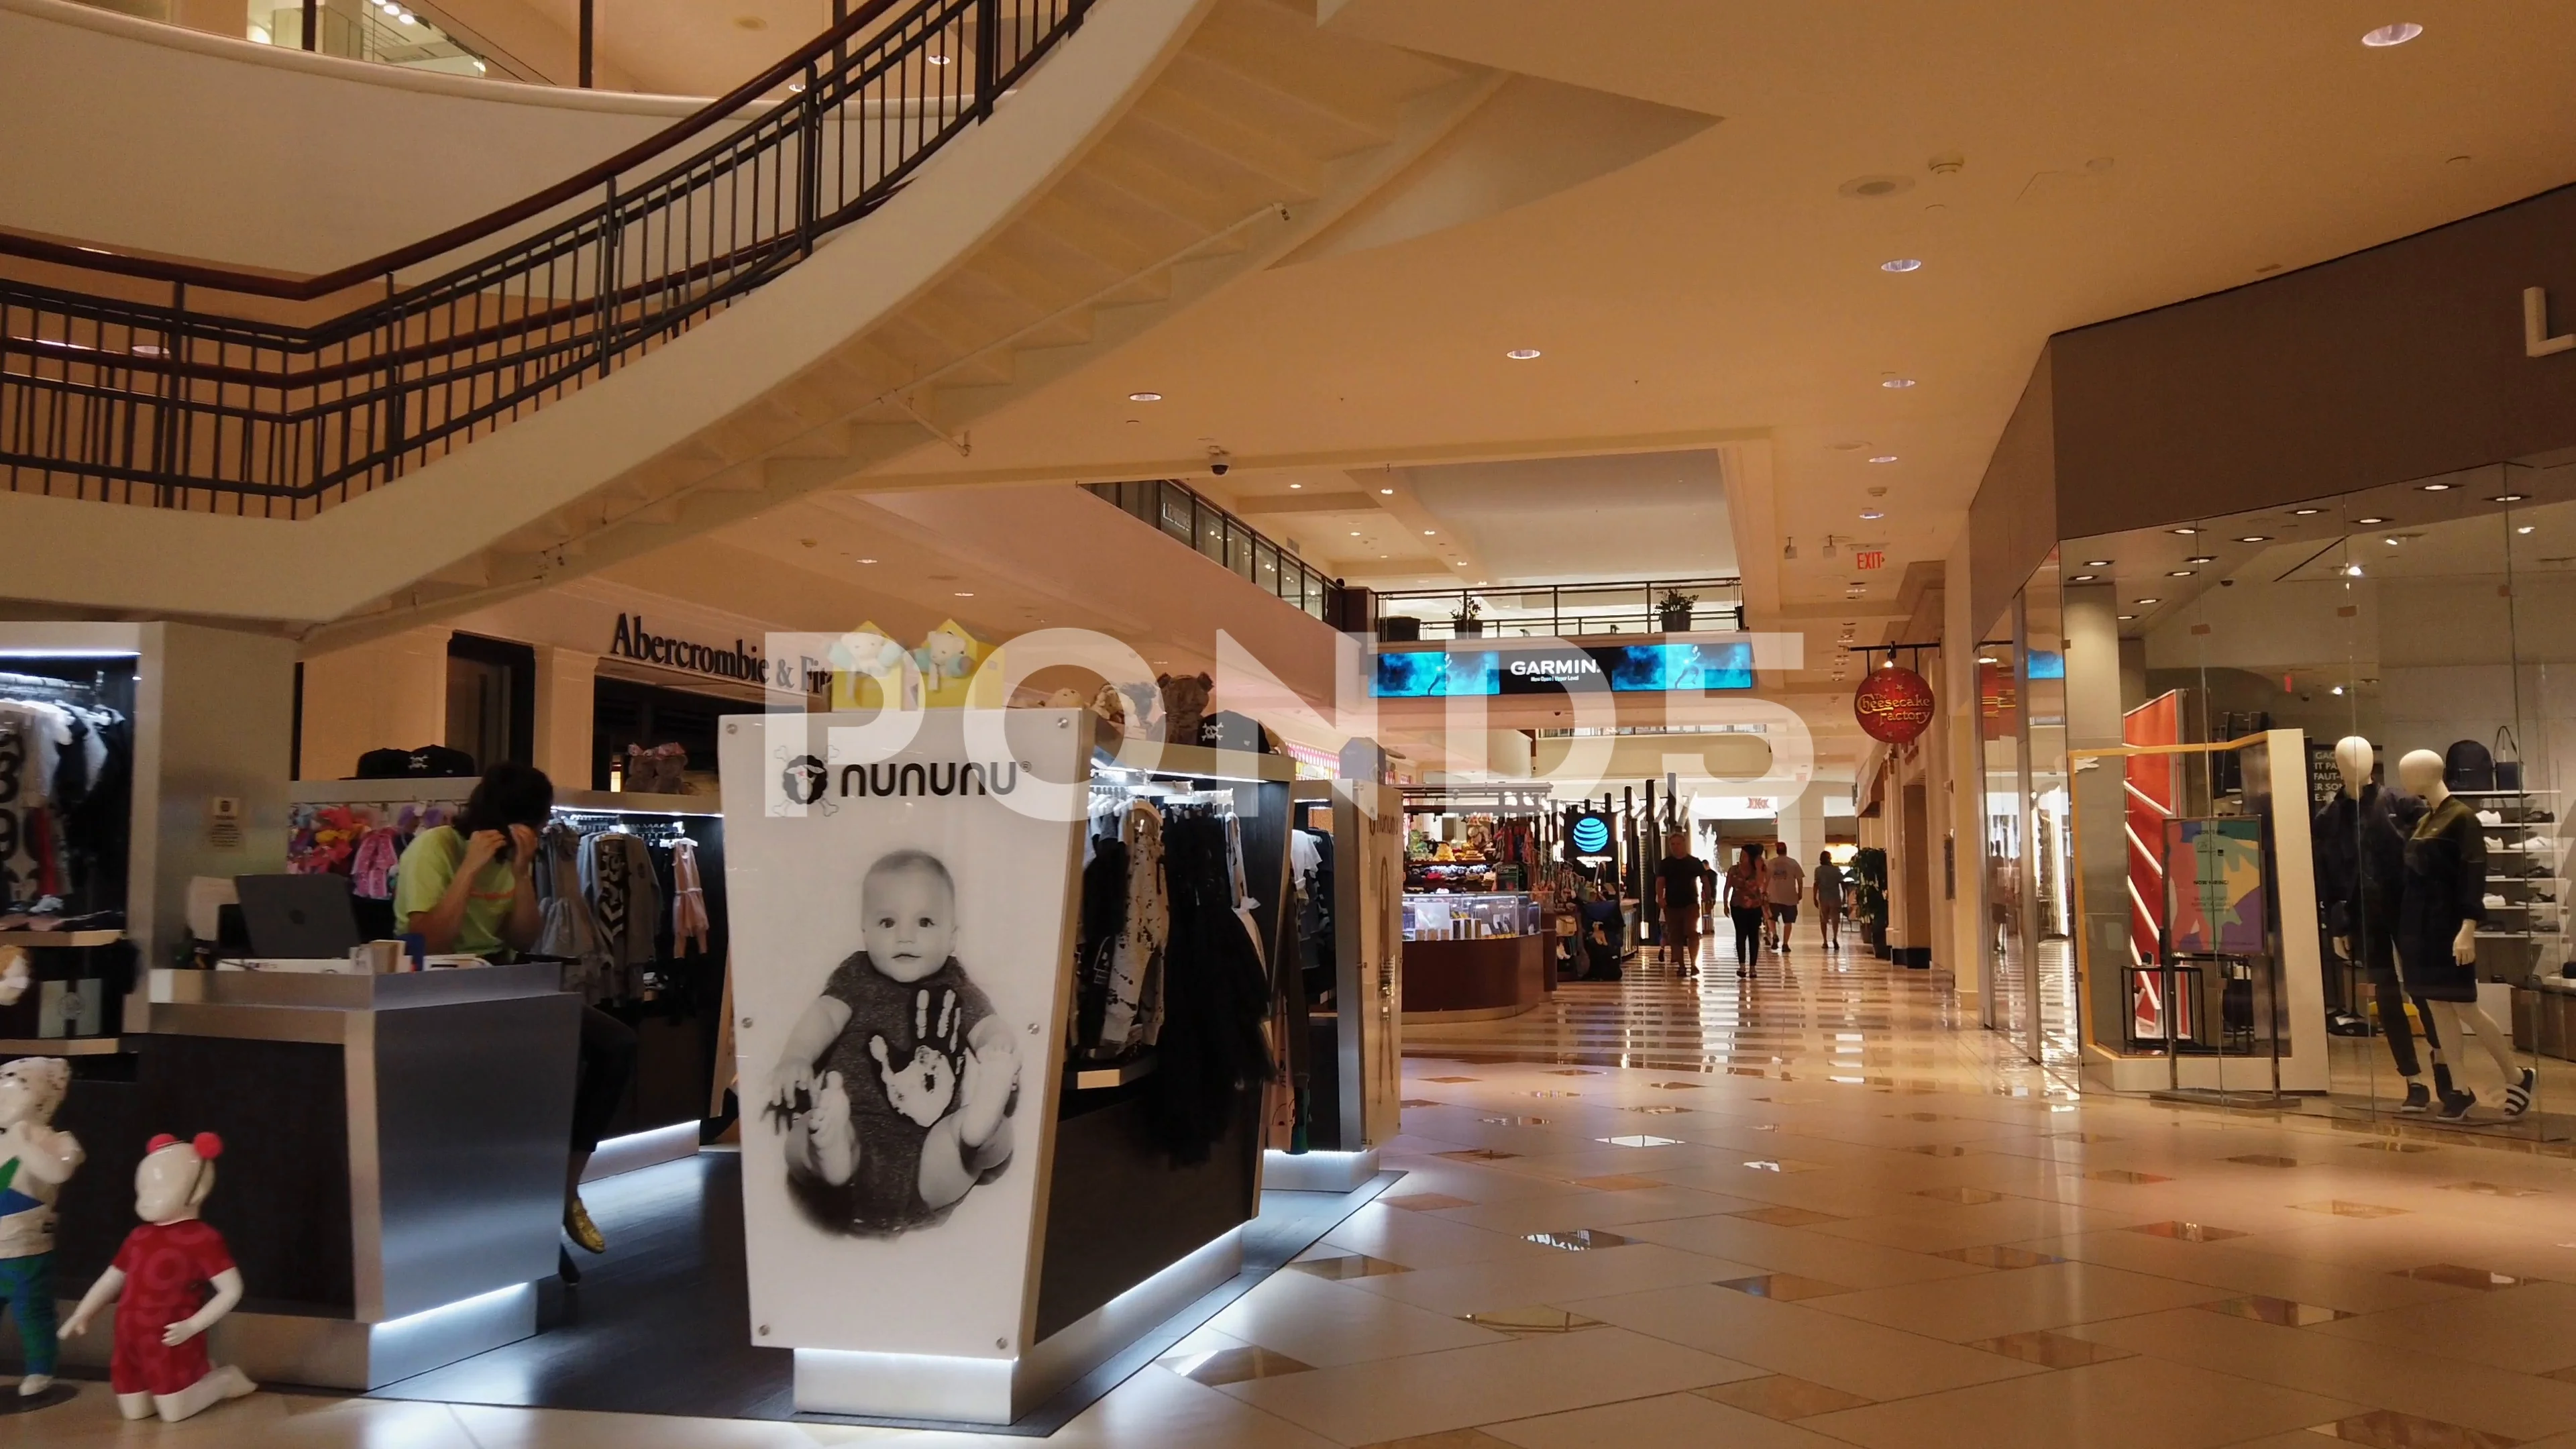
{"x": 1178, "y": 510}
{"x": 119, "y": 382}
{"x": 1563, "y": 611}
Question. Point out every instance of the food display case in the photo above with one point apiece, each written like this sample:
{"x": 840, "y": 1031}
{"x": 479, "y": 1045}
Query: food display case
{"x": 1472, "y": 956}
{"x": 1448, "y": 916}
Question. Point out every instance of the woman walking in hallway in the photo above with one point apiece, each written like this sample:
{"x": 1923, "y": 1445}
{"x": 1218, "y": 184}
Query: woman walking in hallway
{"x": 1744, "y": 902}
{"x": 1829, "y": 900}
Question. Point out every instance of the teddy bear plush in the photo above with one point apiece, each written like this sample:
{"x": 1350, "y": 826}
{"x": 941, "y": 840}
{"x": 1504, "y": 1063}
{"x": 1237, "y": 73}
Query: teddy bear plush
{"x": 945, "y": 655}
{"x": 1185, "y": 702}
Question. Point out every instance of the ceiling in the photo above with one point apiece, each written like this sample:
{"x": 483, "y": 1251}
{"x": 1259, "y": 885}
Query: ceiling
{"x": 1721, "y": 301}
{"x": 2050, "y": 166}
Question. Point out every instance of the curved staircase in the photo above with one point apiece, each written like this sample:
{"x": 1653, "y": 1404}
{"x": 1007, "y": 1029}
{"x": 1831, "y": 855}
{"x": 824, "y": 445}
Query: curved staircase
{"x": 942, "y": 207}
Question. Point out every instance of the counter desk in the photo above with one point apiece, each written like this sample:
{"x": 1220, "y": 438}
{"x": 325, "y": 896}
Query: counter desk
{"x": 394, "y": 1157}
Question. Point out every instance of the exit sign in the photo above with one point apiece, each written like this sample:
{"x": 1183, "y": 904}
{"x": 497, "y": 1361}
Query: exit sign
{"x": 1870, "y": 558}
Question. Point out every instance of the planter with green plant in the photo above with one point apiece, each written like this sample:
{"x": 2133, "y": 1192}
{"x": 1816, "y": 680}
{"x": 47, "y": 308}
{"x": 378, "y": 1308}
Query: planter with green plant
{"x": 1673, "y": 611}
{"x": 1465, "y": 621}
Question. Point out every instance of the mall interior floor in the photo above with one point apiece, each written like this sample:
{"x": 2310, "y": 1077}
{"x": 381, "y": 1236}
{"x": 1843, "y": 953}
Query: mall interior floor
{"x": 1802, "y": 1212}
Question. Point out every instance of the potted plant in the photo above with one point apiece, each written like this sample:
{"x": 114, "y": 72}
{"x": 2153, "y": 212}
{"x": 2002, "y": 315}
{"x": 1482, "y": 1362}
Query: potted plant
{"x": 1464, "y": 621}
{"x": 1674, "y": 610}
{"x": 1399, "y": 628}
{"x": 1869, "y": 895}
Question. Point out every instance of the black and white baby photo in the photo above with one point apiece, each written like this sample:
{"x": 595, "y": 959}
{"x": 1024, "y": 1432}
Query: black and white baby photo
{"x": 896, "y": 1090}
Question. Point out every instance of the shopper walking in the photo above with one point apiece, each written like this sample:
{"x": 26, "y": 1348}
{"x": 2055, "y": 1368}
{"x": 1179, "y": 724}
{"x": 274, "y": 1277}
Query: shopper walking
{"x": 1744, "y": 902}
{"x": 1784, "y": 885}
{"x": 468, "y": 888}
{"x": 1829, "y": 900}
{"x": 1677, "y": 879}
{"x": 1603, "y": 931}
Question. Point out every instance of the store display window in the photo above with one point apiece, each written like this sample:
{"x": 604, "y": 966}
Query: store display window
{"x": 2329, "y": 801}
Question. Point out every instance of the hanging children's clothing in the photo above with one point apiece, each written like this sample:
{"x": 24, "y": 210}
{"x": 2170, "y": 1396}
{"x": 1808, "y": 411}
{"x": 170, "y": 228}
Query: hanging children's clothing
{"x": 371, "y": 866}
{"x": 625, "y": 903}
{"x": 1132, "y": 1013}
{"x": 688, "y": 899}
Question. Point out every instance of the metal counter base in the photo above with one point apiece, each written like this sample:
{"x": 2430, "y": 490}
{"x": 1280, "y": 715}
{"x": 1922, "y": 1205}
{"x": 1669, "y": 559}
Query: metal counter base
{"x": 335, "y": 1353}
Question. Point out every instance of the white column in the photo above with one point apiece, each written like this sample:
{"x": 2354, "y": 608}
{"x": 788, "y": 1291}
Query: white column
{"x": 388, "y": 693}
{"x": 567, "y": 681}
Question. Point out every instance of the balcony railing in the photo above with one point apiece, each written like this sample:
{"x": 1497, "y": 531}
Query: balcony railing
{"x": 1563, "y": 611}
{"x": 1192, "y": 520}
{"x": 173, "y": 384}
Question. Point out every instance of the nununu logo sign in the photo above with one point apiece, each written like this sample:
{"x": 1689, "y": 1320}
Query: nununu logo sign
{"x": 806, "y": 778}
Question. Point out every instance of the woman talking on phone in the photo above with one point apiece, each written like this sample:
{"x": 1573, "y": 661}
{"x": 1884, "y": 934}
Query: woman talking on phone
{"x": 466, "y": 888}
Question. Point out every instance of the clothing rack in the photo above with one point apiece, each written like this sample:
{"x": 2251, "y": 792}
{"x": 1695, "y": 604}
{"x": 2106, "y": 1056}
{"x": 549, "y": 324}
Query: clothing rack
{"x": 599, "y": 822}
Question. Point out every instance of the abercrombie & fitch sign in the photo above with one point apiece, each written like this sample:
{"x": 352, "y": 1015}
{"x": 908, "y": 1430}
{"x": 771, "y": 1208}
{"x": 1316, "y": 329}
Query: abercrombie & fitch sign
{"x": 741, "y": 662}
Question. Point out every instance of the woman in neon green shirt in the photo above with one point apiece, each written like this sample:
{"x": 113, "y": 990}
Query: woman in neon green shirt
{"x": 464, "y": 887}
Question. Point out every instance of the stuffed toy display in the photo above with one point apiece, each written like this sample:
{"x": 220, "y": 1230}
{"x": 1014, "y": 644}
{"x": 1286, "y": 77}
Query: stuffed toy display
{"x": 173, "y": 1280}
{"x": 35, "y": 1162}
{"x": 1185, "y": 702}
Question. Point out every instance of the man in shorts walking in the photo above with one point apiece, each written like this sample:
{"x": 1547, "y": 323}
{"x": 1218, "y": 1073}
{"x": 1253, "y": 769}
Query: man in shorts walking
{"x": 1784, "y": 884}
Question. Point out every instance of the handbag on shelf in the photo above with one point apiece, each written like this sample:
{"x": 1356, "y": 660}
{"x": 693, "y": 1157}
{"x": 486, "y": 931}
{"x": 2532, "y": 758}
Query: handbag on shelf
{"x": 2508, "y": 759}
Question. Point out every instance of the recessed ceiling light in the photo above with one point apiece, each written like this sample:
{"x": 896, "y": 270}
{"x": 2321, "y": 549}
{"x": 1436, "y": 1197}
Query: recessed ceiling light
{"x": 939, "y": 60}
{"x": 2435, "y": 487}
{"x": 965, "y": 593}
{"x": 2392, "y": 542}
{"x": 1988, "y": 659}
{"x": 1426, "y": 533}
{"x": 1296, "y": 485}
{"x": 2374, "y": 518}
{"x": 1522, "y": 354}
{"x": 1386, "y": 490}
{"x": 1355, "y": 533}
{"x": 2499, "y": 498}
{"x": 1873, "y": 514}
{"x": 2353, "y": 569}
{"x": 2150, "y": 601}
{"x": 2186, "y": 532}
{"x": 2180, "y": 573}
{"x": 867, "y": 560}
{"x": 2083, "y": 578}
{"x": 1901, "y": 264}
{"x": 2397, "y": 33}
{"x": 2201, "y": 558}
{"x": 2338, "y": 689}
{"x": 1884, "y": 458}
{"x": 2254, "y": 538}
{"x": 1144, "y": 397}
{"x": 2525, "y": 528}
{"x": 2125, "y": 618}
{"x": 2097, "y": 563}
{"x": 2306, "y": 512}
{"x": 1896, "y": 382}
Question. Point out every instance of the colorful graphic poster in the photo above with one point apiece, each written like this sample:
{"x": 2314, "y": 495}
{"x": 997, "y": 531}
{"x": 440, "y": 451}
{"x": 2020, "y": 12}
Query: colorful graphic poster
{"x": 2214, "y": 870}
{"x": 900, "y": 950}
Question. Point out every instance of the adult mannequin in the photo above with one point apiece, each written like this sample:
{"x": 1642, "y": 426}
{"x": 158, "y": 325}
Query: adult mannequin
{"x": 35, "y": 1162}
{"x": 2437, "y": 929}
{"x": 2360, "y": 843}
{"x": 171, "y": 1262}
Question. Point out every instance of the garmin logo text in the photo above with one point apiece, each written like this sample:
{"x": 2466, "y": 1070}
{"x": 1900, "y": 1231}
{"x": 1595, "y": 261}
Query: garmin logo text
{"x": 1556, "y": 668}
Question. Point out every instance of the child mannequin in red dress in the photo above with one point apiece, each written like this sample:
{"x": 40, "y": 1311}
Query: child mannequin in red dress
{"x": 171, "y": 1281}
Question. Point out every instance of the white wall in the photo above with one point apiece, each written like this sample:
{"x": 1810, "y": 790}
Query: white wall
{"x": 125, "y": 134}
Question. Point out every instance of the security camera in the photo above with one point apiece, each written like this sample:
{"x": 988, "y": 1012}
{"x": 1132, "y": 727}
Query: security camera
{"x": 1219, "y": 461}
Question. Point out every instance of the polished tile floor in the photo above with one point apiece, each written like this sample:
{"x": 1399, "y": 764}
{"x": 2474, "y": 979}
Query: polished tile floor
{"x": 1808, "y": 1210}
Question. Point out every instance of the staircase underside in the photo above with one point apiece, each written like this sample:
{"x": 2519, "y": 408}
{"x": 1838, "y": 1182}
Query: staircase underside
{"x": 1166, "y": 149}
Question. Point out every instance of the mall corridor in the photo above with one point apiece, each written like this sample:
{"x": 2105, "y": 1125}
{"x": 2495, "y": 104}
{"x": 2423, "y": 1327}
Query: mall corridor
{"x": 1803, "y": 1212}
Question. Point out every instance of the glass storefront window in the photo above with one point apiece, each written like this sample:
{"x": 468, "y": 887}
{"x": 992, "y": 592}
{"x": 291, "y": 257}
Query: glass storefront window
{"x": 2337, "y": 640}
